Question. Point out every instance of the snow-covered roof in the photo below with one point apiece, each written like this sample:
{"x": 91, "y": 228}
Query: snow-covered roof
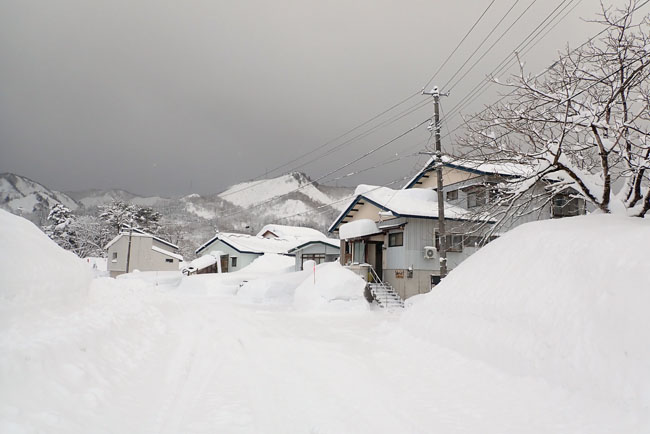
{"x": 203, "y": 261}
{"x": 257, "y": 244}
{"x": 358, "y": 228}
{"x": 282, "y": 231}
{"x": 167, "y": 253}
{"x": 474, "y": 166}
{"x": 140, "y": 231}
{"x": 327, "y": 241}
{"x": 416, "y": 202}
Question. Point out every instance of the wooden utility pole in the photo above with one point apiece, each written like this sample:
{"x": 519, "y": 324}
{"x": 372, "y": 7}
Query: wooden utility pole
{"x": 442, "y": 239}
{"x": 128, "y": 252}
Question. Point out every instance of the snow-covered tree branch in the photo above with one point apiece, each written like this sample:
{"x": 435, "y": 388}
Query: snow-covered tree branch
{"x": 582, "y": 127}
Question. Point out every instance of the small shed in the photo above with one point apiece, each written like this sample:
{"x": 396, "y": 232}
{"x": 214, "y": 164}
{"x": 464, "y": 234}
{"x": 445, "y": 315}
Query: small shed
{"x": 319, "y": 251}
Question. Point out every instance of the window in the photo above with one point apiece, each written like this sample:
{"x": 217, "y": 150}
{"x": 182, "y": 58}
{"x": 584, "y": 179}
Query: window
{"x": 358, "y": 252}
{"x": 396, "y": 239}
{"x": 114, "y": 259}
{"x": 566, "y": 206}
{"x": 318, "y": 258}
{"x": 452, "y": 195}
{"x": 170, "y": 260}
{"x": 454, "y": 242}
{"x": 233, "y": 261}
{"x": 475, "y": 199}
{"x": 472, "y": 241}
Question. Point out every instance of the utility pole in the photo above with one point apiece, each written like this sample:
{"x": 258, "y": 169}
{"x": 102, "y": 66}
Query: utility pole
{"x": 128, "y": 252}
{"x": 442, "y": 239}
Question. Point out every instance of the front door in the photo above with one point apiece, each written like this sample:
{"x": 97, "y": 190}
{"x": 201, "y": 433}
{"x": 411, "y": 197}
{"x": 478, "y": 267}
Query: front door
{"x": 379, "y": 260}
{"x": 224, "y": 263}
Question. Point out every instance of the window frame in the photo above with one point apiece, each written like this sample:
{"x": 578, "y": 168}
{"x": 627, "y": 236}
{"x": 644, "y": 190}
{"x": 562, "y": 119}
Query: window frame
{"x": 452, "y": 195}
{"x": 392, "y": 239}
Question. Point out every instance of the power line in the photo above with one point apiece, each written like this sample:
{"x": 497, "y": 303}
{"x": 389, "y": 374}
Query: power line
{"x": 362, "y": 124}
{"x": 485, "y": 39}
{"x": 411, "y": 109}
{"x": 482, "y": 86}
{"x": 490, "y": 47}
{"x": 458, "y": 46}
{"x": 365, "y": 155}
{"x": 472, "y": 95}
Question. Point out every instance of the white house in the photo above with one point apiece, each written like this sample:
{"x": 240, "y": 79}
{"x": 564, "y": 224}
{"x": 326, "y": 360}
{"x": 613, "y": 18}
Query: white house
{"x": 470, "y": 184}
{"x": 319, "y": 251}
{"x": 137, "y": 250}
{"x": 392, "y": 234}
{"x": 239, "y": 250}
{"x": 394, "y": 231}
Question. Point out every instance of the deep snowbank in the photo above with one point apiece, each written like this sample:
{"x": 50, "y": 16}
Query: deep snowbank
{"x": 327, "y": 287}
{"x": 33, "y": 269}
{"x": 331, "y": 287}
{"x": 565, "y": 300}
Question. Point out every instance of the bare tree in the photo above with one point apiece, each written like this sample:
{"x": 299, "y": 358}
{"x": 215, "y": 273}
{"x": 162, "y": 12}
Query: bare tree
{"x": 580, "y": 129}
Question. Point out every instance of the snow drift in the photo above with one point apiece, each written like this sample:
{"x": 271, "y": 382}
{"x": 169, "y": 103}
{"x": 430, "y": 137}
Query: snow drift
{"x": 564, "y": 300}
{"x": 34, "y": 269}
{"x": 327, "y": 287}
{"x": 332, "y": 288}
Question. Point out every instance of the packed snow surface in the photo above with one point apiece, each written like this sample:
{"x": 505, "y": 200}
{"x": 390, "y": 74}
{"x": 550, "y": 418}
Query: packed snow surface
{"x": 565, "y": 301}
{"x": 524, "y": 346}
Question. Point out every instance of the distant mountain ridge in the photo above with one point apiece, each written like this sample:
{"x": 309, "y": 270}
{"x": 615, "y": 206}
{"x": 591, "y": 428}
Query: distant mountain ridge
{"x": 20, "y": 195}
{"x": 245, "y": 207}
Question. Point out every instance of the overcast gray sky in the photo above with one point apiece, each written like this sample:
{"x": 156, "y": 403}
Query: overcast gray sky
{"x": 172, "y": 97}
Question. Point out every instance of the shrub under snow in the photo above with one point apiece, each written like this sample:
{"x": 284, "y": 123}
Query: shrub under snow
{"x": 565, "y": 300}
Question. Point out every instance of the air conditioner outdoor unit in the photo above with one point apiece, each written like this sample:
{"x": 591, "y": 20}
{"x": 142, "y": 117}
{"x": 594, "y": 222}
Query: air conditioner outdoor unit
{"x": 429, "y": 252}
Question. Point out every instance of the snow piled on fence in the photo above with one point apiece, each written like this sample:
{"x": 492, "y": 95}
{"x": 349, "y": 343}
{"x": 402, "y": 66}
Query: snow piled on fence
{"x": 563, "y": 300}
{"x": 34, "y": 270}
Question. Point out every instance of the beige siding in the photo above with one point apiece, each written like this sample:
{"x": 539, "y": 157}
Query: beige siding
{"x": 449, "y": 176}
{"x": 143, "y": 258}
{"x": 366, "y": 211}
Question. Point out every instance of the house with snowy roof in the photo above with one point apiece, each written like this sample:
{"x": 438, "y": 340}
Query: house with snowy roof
{"x": 472, "y": 184}
{"x": 392, "y": 233}
{"x": 134, "y": 249}
{"x": 236, "y": 250}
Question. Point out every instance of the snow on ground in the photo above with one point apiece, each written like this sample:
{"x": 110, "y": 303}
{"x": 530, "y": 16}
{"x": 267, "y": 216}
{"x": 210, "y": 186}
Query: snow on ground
{"x": 564, "y": 301}
{"x": 164, "y": 354}
{"x": 28, "y": 255}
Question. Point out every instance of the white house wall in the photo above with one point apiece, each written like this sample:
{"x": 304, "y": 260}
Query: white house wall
{"x": 418, "y": 233}
{"x": 243, "y": 259}
{"x": 315, "y": 249}
{"x": 142, "y": 257}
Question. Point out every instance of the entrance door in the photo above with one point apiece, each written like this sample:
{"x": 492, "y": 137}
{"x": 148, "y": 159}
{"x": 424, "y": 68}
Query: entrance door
{"x": 224, "y": 263}
{"x": 379, "y": 260}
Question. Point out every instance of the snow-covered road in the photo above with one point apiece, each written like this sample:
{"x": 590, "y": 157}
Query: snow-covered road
{"x": 156, "y": 359}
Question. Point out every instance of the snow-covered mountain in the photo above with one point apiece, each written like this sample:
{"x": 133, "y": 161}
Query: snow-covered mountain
{"x": 246, "y": 207}
{"x": 93, "y": 198}
{"x": 21, "y": 195}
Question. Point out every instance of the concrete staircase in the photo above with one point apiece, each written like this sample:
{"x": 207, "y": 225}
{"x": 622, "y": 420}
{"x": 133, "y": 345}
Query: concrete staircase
{"x": 385, "y": 295}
